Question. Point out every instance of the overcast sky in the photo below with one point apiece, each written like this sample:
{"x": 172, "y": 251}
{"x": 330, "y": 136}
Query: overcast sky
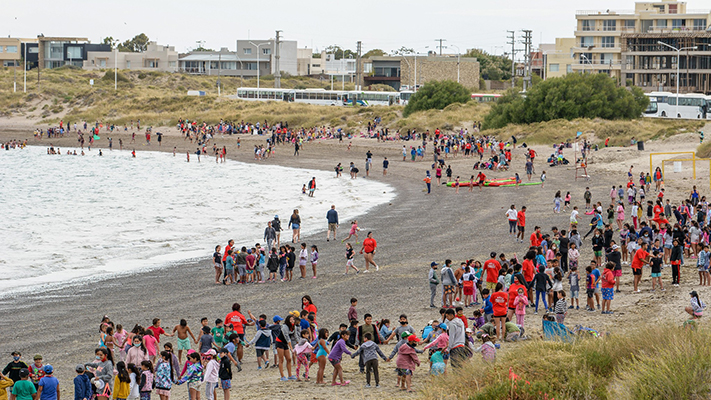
{"x": 384, "y": 24}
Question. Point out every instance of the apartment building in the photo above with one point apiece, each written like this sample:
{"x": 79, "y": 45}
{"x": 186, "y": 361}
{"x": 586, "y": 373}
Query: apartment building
{"x": 558, "y": 57}
{"x": 155, "y": 58}
{"x": 601, "y": 36}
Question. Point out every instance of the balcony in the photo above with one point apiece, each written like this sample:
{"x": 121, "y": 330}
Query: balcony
{"x": 604, "y": 12}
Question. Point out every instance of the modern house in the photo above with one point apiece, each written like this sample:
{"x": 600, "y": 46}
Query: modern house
{"x": 55, "y": 52}
{"x": 155, "y": 58}
{"x": 414, "y": 70}
{"x": 250, "y": 56}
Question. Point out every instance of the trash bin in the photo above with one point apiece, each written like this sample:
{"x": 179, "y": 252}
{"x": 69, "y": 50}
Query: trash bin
{"x": 640, "y": 145}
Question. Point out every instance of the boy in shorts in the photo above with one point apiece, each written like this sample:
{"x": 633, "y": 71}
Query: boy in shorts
{"x": 590, "y": 288}
{"x": 574, "y": 280}
{"x": 225, "y": 372}
{"x": 656, "y": 264}
{"x": 183, "y": 340}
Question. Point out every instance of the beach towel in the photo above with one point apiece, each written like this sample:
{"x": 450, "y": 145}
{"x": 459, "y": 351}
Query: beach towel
{"x": 555, "y": 331}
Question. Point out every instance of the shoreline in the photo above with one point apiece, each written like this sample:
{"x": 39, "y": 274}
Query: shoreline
{"x": 411, "y": 230}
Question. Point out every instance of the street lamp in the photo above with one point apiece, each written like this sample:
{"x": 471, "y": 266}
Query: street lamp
{"x": 678, "y": 56}
{"x": 589, "y": 62}
{"x": 458, "y": 53}
{"x": 258, "y": 66}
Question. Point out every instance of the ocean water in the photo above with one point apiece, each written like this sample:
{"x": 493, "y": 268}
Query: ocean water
{"x": 66, "y": 219}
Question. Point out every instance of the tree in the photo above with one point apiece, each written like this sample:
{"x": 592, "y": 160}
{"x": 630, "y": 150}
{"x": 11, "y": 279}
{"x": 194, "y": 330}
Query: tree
{"x": 491, "y": 67}
{"x": 138, "y": 44}
{"x": 404, "y": 51}
{"x": 374, "y": 53}
{"x": 339, "y": 53}
{"x": 110, "y": 41}
{"x": 437, "y": 95}
{"x": 569, "y": 97}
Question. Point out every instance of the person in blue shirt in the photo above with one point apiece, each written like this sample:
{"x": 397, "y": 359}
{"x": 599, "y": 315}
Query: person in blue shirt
{"x": 48, "y": 388}
{"x": 598, "y": 290}
{"x": 82, "y": 385}
{"x": 488, "y": 307}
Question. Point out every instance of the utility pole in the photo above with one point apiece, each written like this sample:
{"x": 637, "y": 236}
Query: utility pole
{"x": 440, "y": 44}
{"x": 277, "y": 74}
{"x": 359, "y": 69}
{"x": 512, "y": 42}
{"x": 527, "y": 44}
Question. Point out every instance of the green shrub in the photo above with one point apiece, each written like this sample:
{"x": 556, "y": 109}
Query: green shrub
{"x": 437, "y": 95}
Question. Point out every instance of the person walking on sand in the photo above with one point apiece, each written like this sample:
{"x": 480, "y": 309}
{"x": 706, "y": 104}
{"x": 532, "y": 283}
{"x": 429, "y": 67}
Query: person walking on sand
{"x": 428, "y": 182}
{"x": 434, "y": 282}
{"x": 369, "y": 245}
{"x": 332, "y": 218}
{"x": 512, "y": 216}
{"x": 295, "y": 225}
{"x": 312, "y": 186}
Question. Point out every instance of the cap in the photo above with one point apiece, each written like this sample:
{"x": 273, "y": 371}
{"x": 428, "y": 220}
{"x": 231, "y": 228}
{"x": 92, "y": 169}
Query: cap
{"x": 249, "y": 251}
{"x": 433, "y": 264}
{"x": 405, "y": 335}
{"x": 38, "y": 357}
{"x": 615, "y": 247}
{"x": 276, "y": 216}
{"x": 693, "y": 293}
{"x": 413, "y": 338}
{"x": 469, "y": 330}
{"x": 443, "y": 326}
{"x": 277, "y": 318}
{"x": 295, "y": 313}
{"x": 79, "y": 368}
{"x": 48, "y": 369}
{"x": 211, "y": 352}
{"x": 24, "y": 373}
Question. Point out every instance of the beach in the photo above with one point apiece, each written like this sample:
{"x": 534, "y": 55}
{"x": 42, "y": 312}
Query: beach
{"x": 412, "y": 230}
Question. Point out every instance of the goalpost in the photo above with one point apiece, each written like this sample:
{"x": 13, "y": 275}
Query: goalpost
{"x": 693, "y": 160}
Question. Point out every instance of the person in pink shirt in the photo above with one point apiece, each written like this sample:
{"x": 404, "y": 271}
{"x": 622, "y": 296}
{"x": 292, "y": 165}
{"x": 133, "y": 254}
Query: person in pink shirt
{"x": 151, "y": 344}
{"x": 406, "y": 362}
{"x": 440, "y": 342}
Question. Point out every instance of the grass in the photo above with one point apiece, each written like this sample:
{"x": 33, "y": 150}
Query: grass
{"x": 654, "y": 362}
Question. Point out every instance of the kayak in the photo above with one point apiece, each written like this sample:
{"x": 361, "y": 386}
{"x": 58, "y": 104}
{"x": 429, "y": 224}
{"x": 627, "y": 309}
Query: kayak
{"x": 488, "y": 182}
{"x": 522, "y": 184}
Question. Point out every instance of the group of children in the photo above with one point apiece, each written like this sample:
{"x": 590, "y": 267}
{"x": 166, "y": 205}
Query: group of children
{"x": 259, "y": 265}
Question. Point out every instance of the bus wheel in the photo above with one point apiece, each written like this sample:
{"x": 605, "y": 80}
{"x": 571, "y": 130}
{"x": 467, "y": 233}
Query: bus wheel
{"x": 678, "y": 115}
{"x": 664, "y": 114}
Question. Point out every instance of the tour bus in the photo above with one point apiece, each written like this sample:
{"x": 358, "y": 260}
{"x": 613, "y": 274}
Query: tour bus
{"x": 485, "y": 97}
{"x": 691, "y": 105}
{"x": 405, "y": 96}
{"x": 371, "y": 98}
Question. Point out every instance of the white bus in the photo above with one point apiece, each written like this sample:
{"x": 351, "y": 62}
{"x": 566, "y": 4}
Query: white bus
{"x": 320, "y": 96}
{"x": 691, "y": 105}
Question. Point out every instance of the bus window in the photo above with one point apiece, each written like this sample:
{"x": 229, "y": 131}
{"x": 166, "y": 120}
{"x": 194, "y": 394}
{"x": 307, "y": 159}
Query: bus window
{"x": 651, "y": 108}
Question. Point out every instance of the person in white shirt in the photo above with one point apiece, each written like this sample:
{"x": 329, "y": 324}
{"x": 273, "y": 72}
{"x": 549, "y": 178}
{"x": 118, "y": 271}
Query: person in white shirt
{"x": 512, "y": 216}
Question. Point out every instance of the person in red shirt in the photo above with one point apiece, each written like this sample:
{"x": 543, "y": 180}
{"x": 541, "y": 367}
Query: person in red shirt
{"x": 513, "y": 292}
{"x": 521, "y": 224}
{"x": 480, "y": 179}
{"x": 492, "y": 267}
{"x": 608, "y": 286}
{"x": 641, "y": 257}
{"x": 500, "y": 300}
{"x": 536, "y": 237}
{"x": 157, "y": 330}
{"x": 238, "y": 321}
{"x": 369, "y": 245}
{"x": 308, "y": 305}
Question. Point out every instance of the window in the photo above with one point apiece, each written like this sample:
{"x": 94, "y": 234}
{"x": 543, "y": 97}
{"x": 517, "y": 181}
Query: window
{"x": 266, "y": 51}
{"x": 586, "y": 41}
{"x": 12, "y": 49}
{"x": 74, "y": 52}
{"x": 606, "y": 58}
{"x": 1, "y": 49}
{"x": 699, "y": 24}
{"x": 173, "y": 64}
{"x": 247, "y": 51}
{"x": 630, "y": 23}
{"x": 554, "y": 68}
{"x": 608, "y": 41}
{"x": 609, "y": 25}
{"x": 662, "y": 23}
{"x": 569, "y": 68}
{"x": 102, "y": 62}
{"x": 588, "y": 24}
{"x": 128, "y": 64}
{"x": 33, "y": 50}
{"x": 678, "y": 23}
{"x": 252, "y": 66}
{"x": 585, "y": 58}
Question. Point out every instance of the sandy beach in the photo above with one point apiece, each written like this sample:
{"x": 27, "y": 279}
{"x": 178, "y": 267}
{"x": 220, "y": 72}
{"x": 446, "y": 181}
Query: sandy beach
{"x": 412, "y": 230}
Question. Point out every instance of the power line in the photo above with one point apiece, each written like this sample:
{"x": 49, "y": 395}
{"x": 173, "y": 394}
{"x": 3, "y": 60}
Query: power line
{"x": 440, "y": 45}
{"x": 277, "y": 73}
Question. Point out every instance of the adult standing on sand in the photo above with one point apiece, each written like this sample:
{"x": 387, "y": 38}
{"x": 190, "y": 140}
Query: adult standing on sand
{"x": 369, "y": 245}
{"x": 295, "y": 225}
{"x": 269, "y": 235}
{"x": 276, "y": 224}
{"x": 332, "y": 218}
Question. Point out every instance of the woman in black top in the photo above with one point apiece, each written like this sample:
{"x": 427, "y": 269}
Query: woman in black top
{"x": 295, "y": 225}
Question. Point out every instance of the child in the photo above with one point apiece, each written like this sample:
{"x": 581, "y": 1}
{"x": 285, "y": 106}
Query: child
{"x": 48, "y": 387}
{"x": 205, "y": 340}
{"x": 696, "y": 309}
{"x": 543, "y": 178}
{"x": 225, "y": 372}
{"x": 273, "y": 265}
{"x": 407, "y": 361}
{"x": 321, "y": 354}
{"x": 561, "y": 307}
{"x": 703, "y": 266}
{"x": 656, "y": 264}
{"x": 133, "y": 375}
{"x": 165, "y": 375}
{"x": 488, "y": 348}
{"x": 353, "y": 232}
{"x": 122, "y": 382}
{"x": 438, "y": 366}
{"x": 370, "y": 351}
{"x": 146, "y": 385}
{"x": 211, "y": 377}
{"x": 520, "y": 303}
{"x": 183, "y": 341}
{"x": 488, "y": 307}
{"x": 334, "y": 357}
{"x": 303, "y": 350}
{"x": 193, "y": 376}
{"x": 574, "y": 280}
{"x": 82, "y": 385}
{"x": 350, "y": 254}
{"x": 590, "y": 288}
{"x": 36, "y": 370}
{"x": 478, "y": 319}
{"x": 229, "y": 268}
{"x": 218, "y": 334}
{"x": 262, "y": 341}
{"x": 352, "y": 312}
{"x": 23, "y": 388}
{"x": 14, "y": 367}
{"x": 314, "y": 259}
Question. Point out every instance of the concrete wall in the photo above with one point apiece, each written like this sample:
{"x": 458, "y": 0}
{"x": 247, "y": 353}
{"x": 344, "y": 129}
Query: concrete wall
{"x": 440, "y": 68}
